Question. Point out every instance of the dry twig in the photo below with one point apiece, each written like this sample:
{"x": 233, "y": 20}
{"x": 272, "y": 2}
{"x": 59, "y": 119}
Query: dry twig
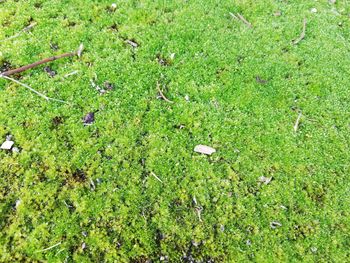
{"x": 296, "y": 125}
{"x": 6, "y": 74}
{"x": 302, "y": 36}
{"x": 71, "y": 73}
{"x": 31, "y": 89}
{"x": 155, "y": 176}
{"x": 35, "y": 64}
{"x": 43, "y": 61}
{"x": 233, "y": 15}
{"x": 244, "y": 20}
{"x": 46, "y": 249}
{"x": 162, "y": 95}
{"x": 238, "y": 16}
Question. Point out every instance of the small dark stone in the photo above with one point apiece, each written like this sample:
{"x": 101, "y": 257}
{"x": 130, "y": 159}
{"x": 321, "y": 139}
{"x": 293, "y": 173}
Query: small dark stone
{"x": 5, "y": 66}
{"x": 49, "y": 71}
{"x": 89, "y": 118}
{"x": 57, "y": 121}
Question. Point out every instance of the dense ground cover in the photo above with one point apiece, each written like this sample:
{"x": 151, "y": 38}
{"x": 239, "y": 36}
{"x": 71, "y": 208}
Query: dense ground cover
{"x": 88, "y": 194}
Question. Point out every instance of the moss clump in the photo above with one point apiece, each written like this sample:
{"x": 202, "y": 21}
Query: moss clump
{"x": 85, "y": 193}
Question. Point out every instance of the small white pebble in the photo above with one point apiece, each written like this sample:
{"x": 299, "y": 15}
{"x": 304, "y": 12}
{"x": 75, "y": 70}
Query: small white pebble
{"x": 172, "y": 56}
{"x": 265, "y": 180}
{"x": 15, "y": 150}
{"x": 18, "y": 202}
{"x": 7, "y": 145}
{"x": 83, "y": 246}
{"x": 313, "y": 10}
{"x": 113, "y": 6}
{"x": 314, "y": 249}
{"x": 204, "y": 149}
{"x": 187, "y": 98}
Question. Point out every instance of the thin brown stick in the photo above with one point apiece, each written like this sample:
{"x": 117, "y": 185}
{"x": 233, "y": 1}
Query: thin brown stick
{"x": 245, "y": 21}
{"x": 162, "y": 95}
{"x": 302, "y": 36}
{"x": 35, "y": 64}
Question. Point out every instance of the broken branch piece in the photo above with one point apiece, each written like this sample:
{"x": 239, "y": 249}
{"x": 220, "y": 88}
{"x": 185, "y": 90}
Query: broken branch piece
{"x": 43, "y": 61}
{"x": 35, "y": 64}
{"x": 162, "y": 95}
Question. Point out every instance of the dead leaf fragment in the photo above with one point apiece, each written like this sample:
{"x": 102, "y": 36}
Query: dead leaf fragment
{"x": 7, "y": 145}
{"x": 204, "y": 149}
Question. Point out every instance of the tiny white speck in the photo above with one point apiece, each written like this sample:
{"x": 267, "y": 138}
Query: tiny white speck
{"x": 18, "y": 202}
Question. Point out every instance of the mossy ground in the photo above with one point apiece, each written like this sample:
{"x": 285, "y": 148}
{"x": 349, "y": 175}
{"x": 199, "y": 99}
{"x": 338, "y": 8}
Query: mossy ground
{"x": 130, "y": 216}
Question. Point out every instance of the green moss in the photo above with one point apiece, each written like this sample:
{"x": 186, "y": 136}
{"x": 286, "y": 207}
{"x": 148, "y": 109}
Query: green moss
{"x": 90, "y": 190}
